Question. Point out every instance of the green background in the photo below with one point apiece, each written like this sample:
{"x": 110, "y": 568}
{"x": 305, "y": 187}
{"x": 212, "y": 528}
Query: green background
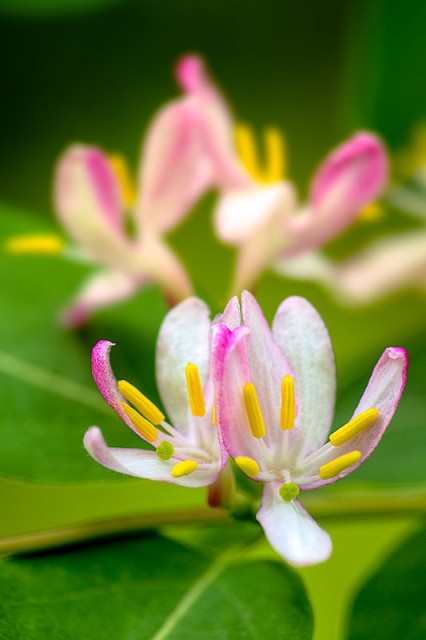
{"x": 96, "y": 72}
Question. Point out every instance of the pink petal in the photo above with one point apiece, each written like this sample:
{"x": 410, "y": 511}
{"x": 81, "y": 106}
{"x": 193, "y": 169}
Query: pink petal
{"x": 88, "y": 200}
{"x": 290, "y": 529}
{"x": 188, "y": 149}
{"x": 106, "y": 381}
{"x": 383, "y": 392}
{"x": 300, "y": 332}
{"x": 144, "y": 464}
{"x": 184, "y": 337}
{"x": 101, "y": 290}
{"x": 230, "y": 373}
{"x": 352, "y": 176}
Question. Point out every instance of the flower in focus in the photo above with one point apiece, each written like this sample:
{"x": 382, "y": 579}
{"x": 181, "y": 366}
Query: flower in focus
{"x": 258, "y": 210}
{"x": 275, "y": 403}
{"x": 188, "y": 452}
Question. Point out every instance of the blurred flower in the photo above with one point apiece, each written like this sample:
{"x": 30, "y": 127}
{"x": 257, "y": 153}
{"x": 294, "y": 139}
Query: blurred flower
{"x": 275, "y": 403}
{"x": 187, "y": 453}
{"x": 258, "y": 210}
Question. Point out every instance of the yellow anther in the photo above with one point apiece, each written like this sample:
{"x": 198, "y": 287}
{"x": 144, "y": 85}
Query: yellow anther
{"x": 145, "y": 428}
{"x": 254, "y": 413}
{"x": 184, "y": 468}
{"x": 195, "y": 390}
{"x": 274, "y": 169}
{"x": 141, "y": 402}
{"x": 288, "y": 403}
{"x": 372, "y": 212}
{"x": 121, "y": 170}
{"x": 35, "y": 244}
{"x": 276, "y": 155}
{"x": 214, "y": 420}
{"x": 248, "y": 465}
{"x": 353, "y": 427}
{"x": 333, "y": 468}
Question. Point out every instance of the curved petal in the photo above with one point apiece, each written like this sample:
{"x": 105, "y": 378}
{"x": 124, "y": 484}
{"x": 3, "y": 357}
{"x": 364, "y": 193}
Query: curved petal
{"x": 101, "y": 290}
{"x": 88, "y": 201}
{"x": 350, "y": 177}
{"x": 385, "y": 266}
{"x": 311, "y": 266}
{"x": 383, "y": 392}
{"x": 231, "y": 316}
{"x": 184, "y": 337}
{"x": 267, "y": 365}
{"x": 304, "y": 339}
{"x": 106, "y": 381}
{"x": 144, "y": 464}
{"x": 290, "y": 529}
{"x": 188, "y": 149}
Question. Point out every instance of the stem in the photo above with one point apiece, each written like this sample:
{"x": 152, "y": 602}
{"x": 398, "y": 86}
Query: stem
{"x": 338, "y": 506}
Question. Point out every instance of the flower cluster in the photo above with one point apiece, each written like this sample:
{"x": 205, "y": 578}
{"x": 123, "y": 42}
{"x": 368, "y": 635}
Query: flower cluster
{"x": 266, "y": 398}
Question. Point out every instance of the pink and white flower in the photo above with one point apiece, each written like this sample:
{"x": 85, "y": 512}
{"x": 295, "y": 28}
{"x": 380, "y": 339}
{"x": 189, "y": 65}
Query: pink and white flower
{"x": 188, "y": 451}
{"x": 275, "y": 394}
{"x": 265, "y": 221}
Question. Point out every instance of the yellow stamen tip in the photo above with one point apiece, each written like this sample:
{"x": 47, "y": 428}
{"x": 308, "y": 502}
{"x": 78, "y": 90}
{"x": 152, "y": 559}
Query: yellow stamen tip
{"x": 121, "y": 170}
{"x": 248, "y": 465}
{"x": 254, "y": 413}
{"x": 195, "y": 390}
{"x": 288, "y": 403}
{"x": 353, "y": 427}
{"x": 372, "y": 212}
{"x": 145, "y": 428}
{"x": 141, "y": 402}
{"x": 35, "y": 244}
{"x": 184, "y": 468}
{"x": 275, "y": 153}
{"x": 333, "y": 468}
{"x": 214, "y": 418}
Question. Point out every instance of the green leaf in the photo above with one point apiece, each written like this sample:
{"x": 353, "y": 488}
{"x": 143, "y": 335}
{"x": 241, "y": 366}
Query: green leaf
{"x": 392, "y": 603}
{"x": 32, "y": 8}
{"x": 47, "y": 396}
{"x": 155, "y": 589}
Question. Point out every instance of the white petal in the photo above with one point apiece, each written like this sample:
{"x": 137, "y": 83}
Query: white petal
{"x": 304, "y": 339}
{"x": 144, "y": 464}
{"x": 183, "y": 337}
{"x": 290, "y": 529}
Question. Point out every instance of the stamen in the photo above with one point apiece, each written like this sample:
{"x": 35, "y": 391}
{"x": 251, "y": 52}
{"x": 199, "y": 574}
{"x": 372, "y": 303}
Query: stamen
{"x": 371, "y": 212}
{"x": 353, "y": 427}
{"x": 141, "y": 402}
{"x": 35, "y": 244}
{"x": 333, "y": 468}
{"x": 289, "y": 491}
{"x": 214, "y": 421}
{"x": 195, "y": 390}
{"x": 248, "y": 465}
{"x": 121, "y": 170}
{"x": 145, "y": 428}
{"x": 274, "y": 167}
{"x": 184, "y": 468}
{"x": 254, "y": 413}
{"x": 288, "y": 403}
{"x": 165, "y": 451}
{"x": 276, "y": 155}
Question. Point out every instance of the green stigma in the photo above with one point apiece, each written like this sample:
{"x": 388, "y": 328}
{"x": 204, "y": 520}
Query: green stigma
{"x": 289, "y": 491}
{"x": 165, "y": 450}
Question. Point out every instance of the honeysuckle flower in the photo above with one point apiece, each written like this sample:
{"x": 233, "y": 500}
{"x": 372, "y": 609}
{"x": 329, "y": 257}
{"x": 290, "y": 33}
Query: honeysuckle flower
{"x": 258, "y": 210}
{"x": 275, "y": 393}
{"x": 187, "y": 450}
